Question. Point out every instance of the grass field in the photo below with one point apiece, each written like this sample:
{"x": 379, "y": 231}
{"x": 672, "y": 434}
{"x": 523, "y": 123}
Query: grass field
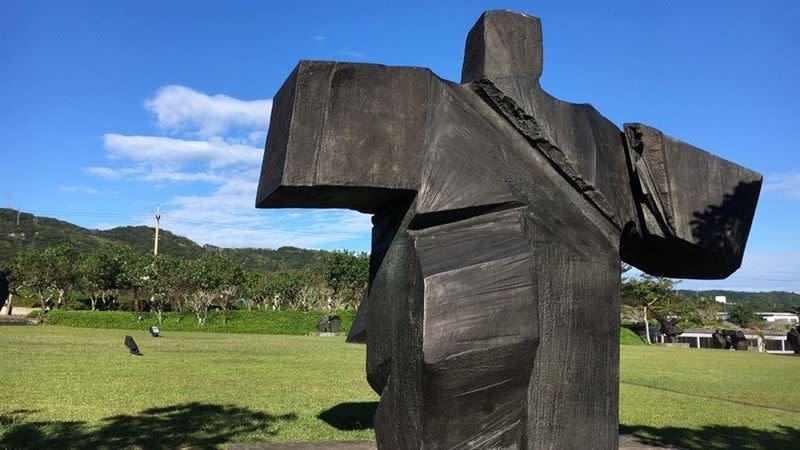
{"x": 78, "y": 388}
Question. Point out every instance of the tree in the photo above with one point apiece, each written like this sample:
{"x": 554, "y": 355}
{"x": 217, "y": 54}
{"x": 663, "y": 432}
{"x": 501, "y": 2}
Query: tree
{"x": 255, "y": 289}
{"x": 705, "y": 312}
{"x": 154, "y": 283}
{"x": 741, "y": 315}
{"x": 33, "y": 273}
{"x": 62, "y": 262}
{"x": 173, "y": 284}
{"x": 218, "y": 276}
{"x": 104, "y": 272}
{"x": 645, "y": 292}
{"x": 287, "y": 286}
{"x": 347, "y": 274}
{"x": 136, "y": 267}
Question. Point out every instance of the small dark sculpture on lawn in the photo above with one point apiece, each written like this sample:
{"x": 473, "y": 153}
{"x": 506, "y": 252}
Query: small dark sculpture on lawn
{"x": 500, "y": 217}
{"x": 3, "y": 286}
{"x": 793, "y": 337}
{"x": 718, "y": 340}
{"x": 730, "y": 339}
{"x": 329, "y": 324}
{"x": 670, "y": 329}
{"x": 131, "y": 345}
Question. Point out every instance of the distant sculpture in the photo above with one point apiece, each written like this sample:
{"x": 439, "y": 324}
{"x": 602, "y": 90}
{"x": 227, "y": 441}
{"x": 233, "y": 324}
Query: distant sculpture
{"x": 3, "y": 286}
{"x": 730, "y": 339}
{"x": 329, "y": 323}
{"x": 670, "y": 329}
{"x": 500, "y": 216}
{"x": 154, "y": 331}
{"x": 130, "y": 344}
{"x": 793, "y": 337}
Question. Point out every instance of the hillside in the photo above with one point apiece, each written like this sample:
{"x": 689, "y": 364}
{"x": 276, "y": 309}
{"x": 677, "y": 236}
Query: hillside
{"x": 40, "y": 232}
{"x": 774, "y": 301}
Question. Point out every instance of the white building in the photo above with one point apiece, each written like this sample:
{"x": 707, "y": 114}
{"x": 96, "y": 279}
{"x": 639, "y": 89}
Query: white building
{"x": 776, "y": 317}
{"x": 771, "y": 342}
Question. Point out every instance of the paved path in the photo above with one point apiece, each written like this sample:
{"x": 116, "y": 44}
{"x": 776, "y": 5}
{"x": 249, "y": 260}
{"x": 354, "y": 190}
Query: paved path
{"x": 626, "y": 442}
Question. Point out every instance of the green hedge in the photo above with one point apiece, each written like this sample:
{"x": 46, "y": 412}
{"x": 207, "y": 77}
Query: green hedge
{"x": 238, "y": 321}
{"x": 628, "y": 337}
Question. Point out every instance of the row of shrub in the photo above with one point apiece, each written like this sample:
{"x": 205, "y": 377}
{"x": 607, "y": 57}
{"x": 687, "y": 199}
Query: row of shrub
{"x": 238, "y": 321}
{"x": 287, "y": 322}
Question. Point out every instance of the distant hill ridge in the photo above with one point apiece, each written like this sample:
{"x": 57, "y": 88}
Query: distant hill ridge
{"x": 35, "y": 231}
{"x": 48, "y": 231}
{"x": 772, "y": 301}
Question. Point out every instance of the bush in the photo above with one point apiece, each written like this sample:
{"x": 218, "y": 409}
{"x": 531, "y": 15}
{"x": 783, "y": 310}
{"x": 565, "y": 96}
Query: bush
{"x": 238, "y": 321}
{"x": 628, "y": 337}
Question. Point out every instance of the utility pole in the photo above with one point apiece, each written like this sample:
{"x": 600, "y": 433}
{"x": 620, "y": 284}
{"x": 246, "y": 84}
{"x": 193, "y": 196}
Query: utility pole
{"x": 158, "y": 223}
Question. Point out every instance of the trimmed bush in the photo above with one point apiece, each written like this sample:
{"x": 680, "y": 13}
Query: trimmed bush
{"x": 628, "y": 337}
{"x": 238, "y": 321}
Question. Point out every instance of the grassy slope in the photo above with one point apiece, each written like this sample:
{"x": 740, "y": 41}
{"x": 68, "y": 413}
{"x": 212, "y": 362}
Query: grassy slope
{"x": 79, "y": 387}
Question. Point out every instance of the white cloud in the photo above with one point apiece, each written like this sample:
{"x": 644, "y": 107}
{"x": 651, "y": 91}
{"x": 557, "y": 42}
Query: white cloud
{"x": 174, "y": 176}
{"x": 789, "y": 184}
{"x": 80, "y": 189}
{"x": 227, "y": 217}
{"x": 182, "y": 109}
{"x": 112, "y": 174}
{"x": 156, "y": 149}
{"x": 220, "y": 141}
{"x": 142, "y": 173}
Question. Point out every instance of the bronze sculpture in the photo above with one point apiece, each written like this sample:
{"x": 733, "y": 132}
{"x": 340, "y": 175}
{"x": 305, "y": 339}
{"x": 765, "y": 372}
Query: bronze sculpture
{"x": 500, "y": 217}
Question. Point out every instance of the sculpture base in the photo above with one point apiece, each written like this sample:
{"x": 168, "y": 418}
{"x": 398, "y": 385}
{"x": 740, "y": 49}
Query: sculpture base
{"x": 626, "y": 442}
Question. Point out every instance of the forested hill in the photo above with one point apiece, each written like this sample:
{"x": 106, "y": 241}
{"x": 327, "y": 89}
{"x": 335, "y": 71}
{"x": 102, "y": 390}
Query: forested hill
{"x": 40, "y": 232}
{"x": 773, "y": 301}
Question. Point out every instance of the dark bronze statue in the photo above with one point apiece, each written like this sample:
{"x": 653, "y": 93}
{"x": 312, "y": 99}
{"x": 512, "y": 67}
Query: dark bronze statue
{"x": 793, "y": 337}
{"x": 4, "y": 288}
{"x": 500, "y": 217}
{"x": 730, "y": 339}
{"x": 670, "y": 329}
{"x": 130, "y": 344}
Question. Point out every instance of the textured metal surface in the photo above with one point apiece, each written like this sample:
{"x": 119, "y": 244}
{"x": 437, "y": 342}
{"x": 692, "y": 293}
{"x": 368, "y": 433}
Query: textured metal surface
{"x": 500, "y": 217}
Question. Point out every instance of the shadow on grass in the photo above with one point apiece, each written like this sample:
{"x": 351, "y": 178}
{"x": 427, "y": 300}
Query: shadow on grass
{"x": 718, "y": 437}
{"x": 194, "y": 425}
{"x": 350, "y": 416}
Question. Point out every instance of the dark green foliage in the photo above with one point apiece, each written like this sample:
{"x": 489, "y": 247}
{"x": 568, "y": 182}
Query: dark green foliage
{"x": 347, "y": 274}
{"x": 742, "y": 315}
{"x": 49, "y": 232}
{"x": 238, "y": 321}
{"x": 773, "y": 301}
{"x": 284, "y": 258}
{"x": 142, "y": 237}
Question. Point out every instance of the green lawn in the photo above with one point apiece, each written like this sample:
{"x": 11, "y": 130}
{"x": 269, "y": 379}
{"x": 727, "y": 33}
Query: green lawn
{"x": 70, "y": 387}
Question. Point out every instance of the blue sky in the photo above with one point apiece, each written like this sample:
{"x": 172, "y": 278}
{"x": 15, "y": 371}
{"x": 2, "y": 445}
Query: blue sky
{"x": 109, "y": 108}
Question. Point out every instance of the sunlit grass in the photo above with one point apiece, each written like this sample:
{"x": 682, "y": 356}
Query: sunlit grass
{"x": 63, "y": 386}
